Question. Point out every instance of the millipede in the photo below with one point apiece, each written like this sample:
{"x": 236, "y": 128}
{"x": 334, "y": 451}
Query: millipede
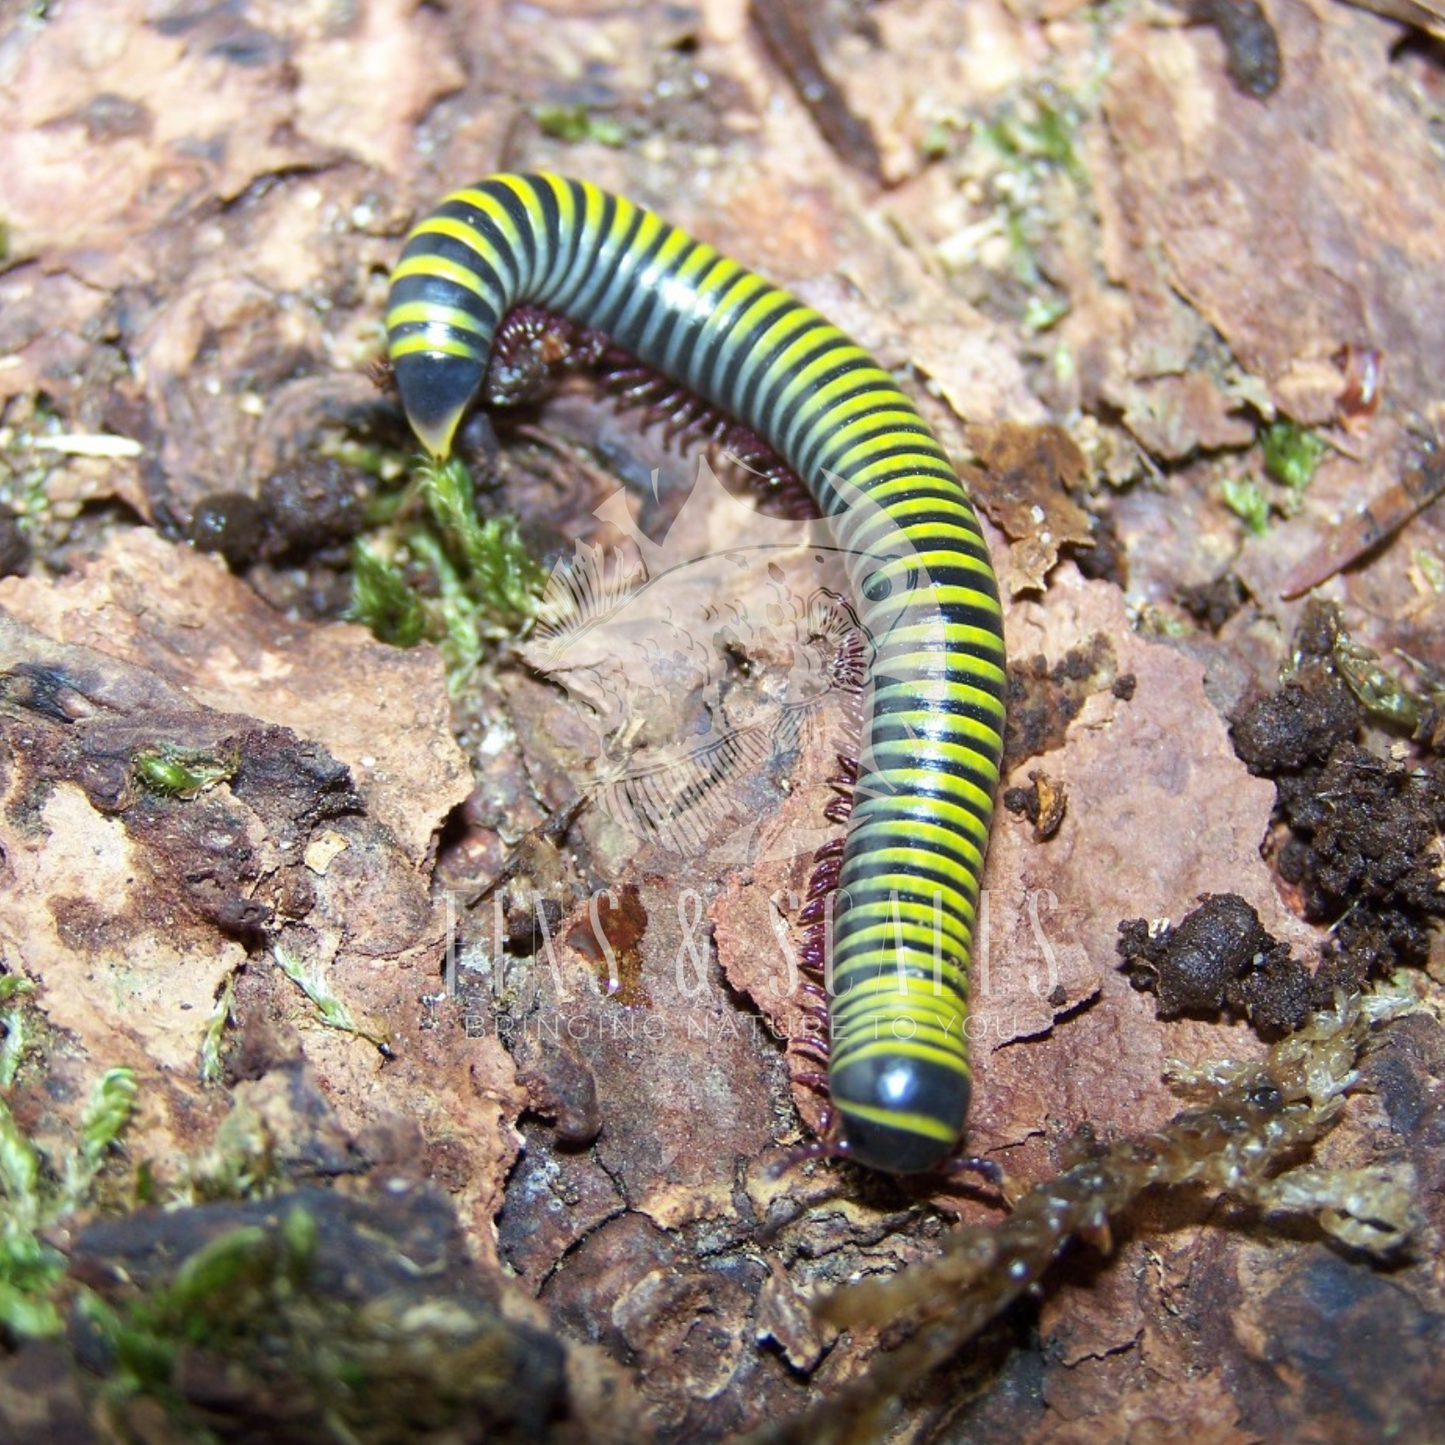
{"x": 905, "y": 882}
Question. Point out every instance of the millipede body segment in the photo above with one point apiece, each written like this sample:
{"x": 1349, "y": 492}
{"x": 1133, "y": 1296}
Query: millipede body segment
{"x": 923, "y": 586}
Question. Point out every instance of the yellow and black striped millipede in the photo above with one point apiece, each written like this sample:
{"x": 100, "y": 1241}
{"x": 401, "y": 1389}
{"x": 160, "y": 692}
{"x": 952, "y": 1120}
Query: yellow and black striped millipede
{"x": 918, "y": 566}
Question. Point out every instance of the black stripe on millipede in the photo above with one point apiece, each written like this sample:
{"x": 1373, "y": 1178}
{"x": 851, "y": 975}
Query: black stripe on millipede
{"x": 954, "y": 516}
{"x": 809, "y": 458}
{"x": 567, "y": 270}
{"x": 890, "y": 731}
{"x": 495, "y": 244}
{"x": 929, "y": 881}
{"x": 448, "y": 248}
{"x": 719, "y": 340}
{"x": 859, "y": 877}
{"x": 521, "y": 220}
{"x": 580, "y": 269}
{"x": 903, "y": 458}
{"x": 646, "y": 298}
{"x": 922, "y": 491}
{"x": 720, "y": 363}
{"x": 546, "y": 199}
{"x": 924, "y": 446}
{"x": 691, "y": 325}
{"x": 892, "y": 695}
{"x": 657, "y": 343}
{"x": 955, "y": 724}
{"x": 740, "y": 349}
{"x": 981, "y": 778}
{"x": 850, "y": 1005}
{"x": 758, "y": 396}
{"x": 818, "y": 384}
{"x": 614, "y": 296}
{"x": 921, "y": 789}
{"x": 438, "y": 290}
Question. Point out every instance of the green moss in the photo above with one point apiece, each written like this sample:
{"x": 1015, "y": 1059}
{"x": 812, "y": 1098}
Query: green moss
{"x": 30, "y": 1271}
{"x": 1039, "y": 131}
{"x": 311, "y": 979}
{"x": 575, "y": 123}
{"x": 1026, "y": 157}
{"x": 937, "y": 140}
{"x": 1244, "y": 498}
{"x": 441, "y": 574}
{"x": 19, "y": 1165}
{"x": 14, "y": 1031}
{"x": 110, "y": 1108}
{"x": 1292, "y": 454}
{"x": 382, "y": 599}
{"x": 308, "y": 1308}
{"x": 1043, "y": 311}
{"x": 1432, "y": 569}
{"x": 37, "y": 1194}
{"x": 217, "y": 1295}
{"x": 182, "y": 772}
{"x": 1385, "y": 697}
{"x": 220, "y": 1015}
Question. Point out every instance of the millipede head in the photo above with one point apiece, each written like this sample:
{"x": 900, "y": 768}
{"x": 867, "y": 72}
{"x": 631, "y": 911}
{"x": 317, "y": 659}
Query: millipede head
{"x": 900, "y": 1113}
{"x": 436, "y": 389}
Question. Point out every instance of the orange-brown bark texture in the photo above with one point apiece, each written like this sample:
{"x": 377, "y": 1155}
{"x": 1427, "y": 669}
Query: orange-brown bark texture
{"x": 474, "y": 1090}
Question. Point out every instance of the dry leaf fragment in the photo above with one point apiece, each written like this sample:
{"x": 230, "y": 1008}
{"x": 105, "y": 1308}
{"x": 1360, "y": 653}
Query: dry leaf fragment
{"x": 1029, "y": 472}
